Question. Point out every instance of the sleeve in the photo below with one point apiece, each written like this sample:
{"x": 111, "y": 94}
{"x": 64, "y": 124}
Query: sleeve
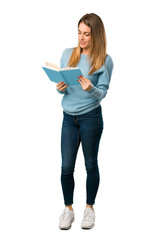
{"x": 62, "y": 66}
{"x": 100, "y": 90}
{"x": 62, "y": 92}
{"x": 62, "y": 60}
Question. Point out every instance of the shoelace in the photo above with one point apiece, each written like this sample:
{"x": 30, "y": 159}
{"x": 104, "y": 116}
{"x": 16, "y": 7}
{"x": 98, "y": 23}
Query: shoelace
{"x": 64, "y": 216}
{"x": 88, "y": 216}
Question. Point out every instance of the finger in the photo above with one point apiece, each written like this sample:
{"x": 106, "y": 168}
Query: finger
{"x": 82, "y": 84}
{"x": 63, "y": 88}
{"x": 86, "y": 80}
{"x": 60, "y": 84}
{"x": 85, "y": 84}
{"x": 83, "y": 79}
{"x": 79, "y": 81}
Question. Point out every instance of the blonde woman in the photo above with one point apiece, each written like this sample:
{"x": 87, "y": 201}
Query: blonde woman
{"x": 82, "y": 114}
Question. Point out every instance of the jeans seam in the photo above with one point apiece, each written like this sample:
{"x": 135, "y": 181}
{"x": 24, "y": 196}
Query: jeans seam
{"x": 78, "y": 138}
{"x": 98, "y": 124}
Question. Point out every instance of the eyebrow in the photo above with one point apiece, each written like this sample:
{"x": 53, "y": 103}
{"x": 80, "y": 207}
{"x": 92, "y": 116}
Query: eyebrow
{"x": 84, "y": 32}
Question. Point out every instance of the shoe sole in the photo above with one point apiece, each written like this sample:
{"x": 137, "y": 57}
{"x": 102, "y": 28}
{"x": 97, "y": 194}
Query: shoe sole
{"x": 65, "y": 228}
{"x": 87, "y": 228}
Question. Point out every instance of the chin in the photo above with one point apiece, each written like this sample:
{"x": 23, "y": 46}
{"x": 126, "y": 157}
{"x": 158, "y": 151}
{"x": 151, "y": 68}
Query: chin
{"x": 82, "y": 46}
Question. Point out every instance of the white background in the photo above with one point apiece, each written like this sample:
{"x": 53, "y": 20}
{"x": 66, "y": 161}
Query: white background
{"x": 127, "y": 204}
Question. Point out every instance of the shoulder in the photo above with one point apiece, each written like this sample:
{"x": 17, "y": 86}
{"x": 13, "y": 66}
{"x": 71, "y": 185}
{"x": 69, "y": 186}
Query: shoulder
{"x": 108, "y": 65}
{"x": 108, "y": 60}
{"x": 65, "y": 57}
{"x": 67, "y": 52}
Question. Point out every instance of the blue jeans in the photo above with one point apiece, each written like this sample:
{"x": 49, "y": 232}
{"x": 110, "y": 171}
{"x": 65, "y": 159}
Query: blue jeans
{"x": 85, "y": 129}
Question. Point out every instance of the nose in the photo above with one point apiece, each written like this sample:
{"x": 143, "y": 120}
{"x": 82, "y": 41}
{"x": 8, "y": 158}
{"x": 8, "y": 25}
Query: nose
{"x": 81, "y": 37}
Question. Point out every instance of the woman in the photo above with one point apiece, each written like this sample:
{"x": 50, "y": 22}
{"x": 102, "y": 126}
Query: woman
{"x": 83, "y": 122}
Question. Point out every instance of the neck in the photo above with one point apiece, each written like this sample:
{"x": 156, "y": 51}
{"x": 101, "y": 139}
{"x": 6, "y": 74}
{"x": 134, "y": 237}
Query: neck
{"x": 85, "y": 51}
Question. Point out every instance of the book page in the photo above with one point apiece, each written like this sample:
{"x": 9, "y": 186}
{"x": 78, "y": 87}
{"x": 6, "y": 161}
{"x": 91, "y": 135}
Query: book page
{"x": 69, "y": 68}
{"x": 52, "y": 66}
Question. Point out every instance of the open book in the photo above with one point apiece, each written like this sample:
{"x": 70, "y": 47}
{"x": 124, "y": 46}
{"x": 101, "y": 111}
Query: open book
{"x": 67, "y": 75}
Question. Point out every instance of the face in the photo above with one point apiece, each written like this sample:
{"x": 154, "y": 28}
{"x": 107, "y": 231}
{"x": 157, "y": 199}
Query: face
{"x": 84, "y": 37}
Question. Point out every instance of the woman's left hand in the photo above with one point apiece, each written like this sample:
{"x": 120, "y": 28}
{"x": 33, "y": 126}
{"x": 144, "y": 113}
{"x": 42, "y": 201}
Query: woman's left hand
{"x": 85, "y": 83}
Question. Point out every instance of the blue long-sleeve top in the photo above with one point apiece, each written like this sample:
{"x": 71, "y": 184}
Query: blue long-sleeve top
{"x": 76, "y": 101}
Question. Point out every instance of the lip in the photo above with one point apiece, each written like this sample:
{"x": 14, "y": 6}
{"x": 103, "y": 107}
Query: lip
{"x": 82, "y": 42}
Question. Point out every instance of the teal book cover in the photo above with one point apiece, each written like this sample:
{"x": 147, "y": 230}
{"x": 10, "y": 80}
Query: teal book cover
{"x": 67, "y": 75}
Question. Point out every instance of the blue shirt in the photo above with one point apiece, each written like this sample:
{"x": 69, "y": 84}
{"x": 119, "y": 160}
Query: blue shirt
{"x": 76, "y": 101}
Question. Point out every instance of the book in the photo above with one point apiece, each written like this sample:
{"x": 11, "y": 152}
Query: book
{"x": 68, "y": 75}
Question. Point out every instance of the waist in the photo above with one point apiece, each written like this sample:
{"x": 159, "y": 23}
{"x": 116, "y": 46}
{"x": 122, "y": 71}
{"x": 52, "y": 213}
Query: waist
{"x": 95, "y": 111}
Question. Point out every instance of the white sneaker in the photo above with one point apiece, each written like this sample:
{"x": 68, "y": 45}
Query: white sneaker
{"x": 66, "y": 219}
{"x": 88, "y": 219}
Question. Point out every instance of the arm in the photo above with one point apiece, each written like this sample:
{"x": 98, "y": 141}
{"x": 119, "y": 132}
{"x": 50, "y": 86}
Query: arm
{"x": 61, "y": 87}
{"x": 100, "y": 90}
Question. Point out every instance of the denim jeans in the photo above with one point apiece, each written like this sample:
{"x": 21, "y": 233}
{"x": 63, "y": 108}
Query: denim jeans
{"x": 85, "y": 129}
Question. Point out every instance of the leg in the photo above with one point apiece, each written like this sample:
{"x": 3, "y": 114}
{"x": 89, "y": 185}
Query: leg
{"x": 70, "y": 141}
{"x": 90, "y": 132}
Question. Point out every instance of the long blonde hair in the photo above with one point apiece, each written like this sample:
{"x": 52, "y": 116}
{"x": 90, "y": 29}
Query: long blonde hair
{"x": 98, "y": 47}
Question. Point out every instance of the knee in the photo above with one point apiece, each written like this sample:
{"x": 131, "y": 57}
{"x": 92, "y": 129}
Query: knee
{"x": 92, "y": 168}
{"x": 67, "y": 170}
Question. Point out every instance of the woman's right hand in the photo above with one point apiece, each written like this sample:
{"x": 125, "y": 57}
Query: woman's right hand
{"x": 61, "y": 86}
